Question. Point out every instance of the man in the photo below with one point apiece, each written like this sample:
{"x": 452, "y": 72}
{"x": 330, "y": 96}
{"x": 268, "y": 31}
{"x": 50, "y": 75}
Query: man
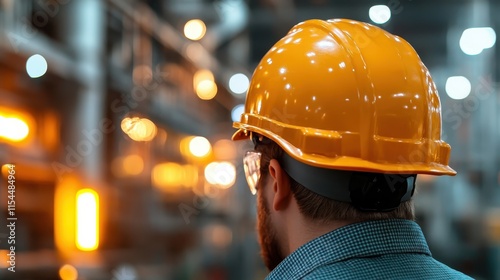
{"x": 343, "y": 116}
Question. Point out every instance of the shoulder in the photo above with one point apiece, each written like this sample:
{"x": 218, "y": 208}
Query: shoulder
{"x": 386, "y": 267}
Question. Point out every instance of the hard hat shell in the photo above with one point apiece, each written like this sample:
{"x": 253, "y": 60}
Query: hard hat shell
{"x": 343, "y": 94}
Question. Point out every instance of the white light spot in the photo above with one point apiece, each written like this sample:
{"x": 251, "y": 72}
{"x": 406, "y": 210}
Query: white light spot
{"x": 474, "y": 40}
{"x": 36, "y": 66}
{"x": 199, "y": 146}
{"x": 458, "y": 87}
{"x": 239, "y": 83}
{"x": 195, "y": 29}
{"x": 380, "y": 14}
{"x": 237, "y": 111}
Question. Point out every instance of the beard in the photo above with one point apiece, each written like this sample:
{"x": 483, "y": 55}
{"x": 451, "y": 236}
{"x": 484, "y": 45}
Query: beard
{"x": 270, "y": 247}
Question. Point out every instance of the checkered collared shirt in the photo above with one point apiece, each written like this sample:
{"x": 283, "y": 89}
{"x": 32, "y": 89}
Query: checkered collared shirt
{"x": 384, "y": 249}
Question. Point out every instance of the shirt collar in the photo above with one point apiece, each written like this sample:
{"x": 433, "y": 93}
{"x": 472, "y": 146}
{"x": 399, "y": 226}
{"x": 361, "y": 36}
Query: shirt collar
{"x": 364, "y": 239}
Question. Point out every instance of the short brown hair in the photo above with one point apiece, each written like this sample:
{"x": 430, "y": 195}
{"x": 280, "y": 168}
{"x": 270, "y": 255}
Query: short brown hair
{"x": 323, "y": 209}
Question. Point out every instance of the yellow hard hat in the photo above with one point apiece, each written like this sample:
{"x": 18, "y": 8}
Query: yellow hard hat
{"x": 342, "y": 94}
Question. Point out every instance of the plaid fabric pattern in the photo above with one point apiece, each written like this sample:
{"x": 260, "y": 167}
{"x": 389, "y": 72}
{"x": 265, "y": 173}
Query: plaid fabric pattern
{"x": 385, "y": 249}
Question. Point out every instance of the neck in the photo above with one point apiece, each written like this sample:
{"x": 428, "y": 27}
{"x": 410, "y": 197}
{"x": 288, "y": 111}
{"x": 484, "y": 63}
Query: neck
{"x": 305, "y": 230}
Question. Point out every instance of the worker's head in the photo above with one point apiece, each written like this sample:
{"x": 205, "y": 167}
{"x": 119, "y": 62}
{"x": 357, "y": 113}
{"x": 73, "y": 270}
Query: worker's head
{"x": 343, "y": 116}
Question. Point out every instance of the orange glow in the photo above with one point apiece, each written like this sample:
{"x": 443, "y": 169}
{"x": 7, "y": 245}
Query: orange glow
{"x": 139, "y": 129}
{"x": 87, "y": 220}
{"x": 64, "y": 214}
{"x": 206, "y": 89}
{"x": 4, "y": 259}
{"x": 133, "y": 164}
{"x": 130, "y": 165}
{"x": 190, "y": 176}
{"x": 13, "y": 129}
{"x": 5, "y": 170}
{"x": 170, "y": 176}
{"x": 15, "y": 126}
{"x": 68, "y": 272}
{"x": 225, "y": 149}
{"x": 167, "y": 174}
{"x": 202, "y": 75}
{"x": 184, "y": 146}
{"x": 51, "y": 134}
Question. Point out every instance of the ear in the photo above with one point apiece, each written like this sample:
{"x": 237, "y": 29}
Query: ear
{"x": 281, "y": 186}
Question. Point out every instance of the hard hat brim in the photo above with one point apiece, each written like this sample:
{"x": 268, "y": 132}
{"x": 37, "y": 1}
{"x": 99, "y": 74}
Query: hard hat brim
{"x": 343, "y": 162}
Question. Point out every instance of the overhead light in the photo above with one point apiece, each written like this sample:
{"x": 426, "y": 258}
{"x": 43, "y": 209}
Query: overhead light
{"x": 237, "y": 111}
{"x": 380, "y": 14}
{"x": 458, "y": 87}
{"x": 206, "y": 89}
{"x": 13, "y": 128}
{"x": 195, "y": 29}
{"x": 139, "y": 129}
{"x": 239, "y": 83}
{"x": 87, "y": 220}
{"x": 474, "y": 40}
{"x": 221, "y": 174}
{"x": 36, "y": 66}
{"x": 199, "y": 146}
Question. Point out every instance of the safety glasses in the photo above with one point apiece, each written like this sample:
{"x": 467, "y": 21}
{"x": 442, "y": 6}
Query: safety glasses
{"x": 251, "y": 165}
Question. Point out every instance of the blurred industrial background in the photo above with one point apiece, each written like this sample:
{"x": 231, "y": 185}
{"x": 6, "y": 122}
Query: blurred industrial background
{"x": 117, "y": 113}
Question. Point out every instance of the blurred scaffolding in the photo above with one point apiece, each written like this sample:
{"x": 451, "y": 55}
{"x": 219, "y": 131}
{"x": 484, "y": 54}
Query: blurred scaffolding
{"x": 117, "y": 114}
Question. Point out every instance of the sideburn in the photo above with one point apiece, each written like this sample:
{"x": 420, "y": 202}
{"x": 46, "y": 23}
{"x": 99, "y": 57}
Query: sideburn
{"x": 269, "y": 244}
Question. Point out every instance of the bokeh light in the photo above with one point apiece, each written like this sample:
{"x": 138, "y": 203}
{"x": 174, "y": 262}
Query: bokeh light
{"x": 87, "y": 220}
{"x": 130, "y": 165}
{"x": 13, "y": 129}
{"x": 458, "y": 87}
{"x": 139, "y": 129}
{"x": 170, "y": 176}
{"x": 474, "y": 40}
{"x": 68, "y": 272}
{"x": 199, "y": 146}
{"x": 202, "y": 75}
{"x": 237, "y": 111}
{"x": 206, "y": 89}
{"x": 36, "y": 66}
{"x": 380, "y": 14}
{"x": 238, "y": 83}
{"x": 195, "y": 29}
{"x": 220, "y": 174}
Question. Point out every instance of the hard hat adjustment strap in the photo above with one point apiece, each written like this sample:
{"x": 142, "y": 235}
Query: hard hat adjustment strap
{"x": 374, "y": 192}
